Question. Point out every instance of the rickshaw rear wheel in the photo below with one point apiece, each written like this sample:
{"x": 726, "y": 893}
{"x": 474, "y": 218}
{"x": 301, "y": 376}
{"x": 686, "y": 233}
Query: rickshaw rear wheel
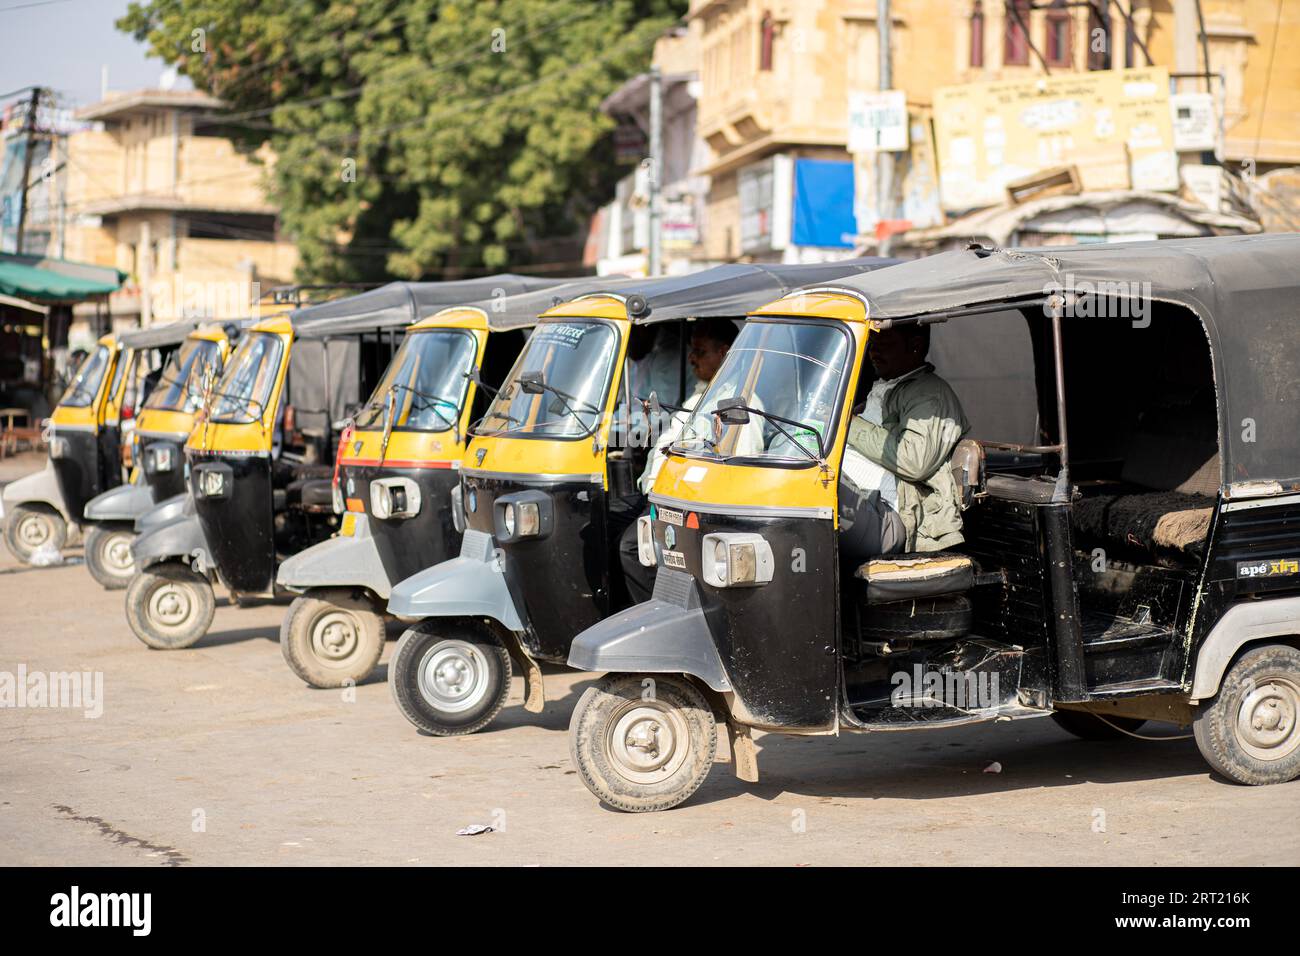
{"x": 1088, "y": 726}
{"x": 1248, "y": 731}
{"x": 643, "y": 742}
{"x": 108, "y": 555}
{"x": 34, "y": 526}
{"x": 330, "y": 638}
{"x": 169, "y": 606}
{"x": 449, "y": 678}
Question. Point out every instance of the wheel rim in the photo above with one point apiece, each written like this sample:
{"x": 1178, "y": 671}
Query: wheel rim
{"x": 34, "y": 530}
{"x": 647, "y": 741}
{"x": 335, "y": 637}
{"x": 171, "y": 606}
{"x": 453, "y": 676}
{"x": 116, "y": 551}
{"x": 1266, "y": 719}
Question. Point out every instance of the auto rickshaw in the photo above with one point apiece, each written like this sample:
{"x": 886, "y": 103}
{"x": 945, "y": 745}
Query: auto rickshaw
{"x": 260, "y": 459}
{"x": 543, "y": 479}
{"x": 1140, "y": 562}
{"x": 85, "y": 439}
{"x": 154, "y": 448}
{"x": 397, "y": 473}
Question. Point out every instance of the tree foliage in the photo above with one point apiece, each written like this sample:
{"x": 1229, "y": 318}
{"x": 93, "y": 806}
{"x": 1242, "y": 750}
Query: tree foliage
{"x": 417, "y": 137}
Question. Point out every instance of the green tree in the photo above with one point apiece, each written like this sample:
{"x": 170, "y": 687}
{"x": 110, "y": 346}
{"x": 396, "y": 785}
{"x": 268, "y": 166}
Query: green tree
{"x": 417, "y": 137}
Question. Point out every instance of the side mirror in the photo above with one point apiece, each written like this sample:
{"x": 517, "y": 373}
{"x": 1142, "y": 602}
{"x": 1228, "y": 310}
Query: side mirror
{"x": 532, "y": 383}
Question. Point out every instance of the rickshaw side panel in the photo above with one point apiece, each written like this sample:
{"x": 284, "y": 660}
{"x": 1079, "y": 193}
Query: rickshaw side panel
{"x": 778, "y": 642}
{"x": 164, "y": 484}
{"x": 78, "y": 469}
{"x": 409, "y": 545}
{"x": 238, "y": 526}
{"x": 561, "y": 582}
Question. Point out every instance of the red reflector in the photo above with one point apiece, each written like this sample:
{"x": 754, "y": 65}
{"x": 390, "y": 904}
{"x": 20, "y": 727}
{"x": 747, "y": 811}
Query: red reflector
{"x": 692, "y": 520}
{"x": 356, "y": 504}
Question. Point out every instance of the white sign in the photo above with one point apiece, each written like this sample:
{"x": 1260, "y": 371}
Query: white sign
{"x": 877, "y": 122}
{"x": 1195, "y": 125}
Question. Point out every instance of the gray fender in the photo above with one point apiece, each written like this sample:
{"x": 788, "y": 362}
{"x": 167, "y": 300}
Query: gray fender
{"x": 123, "y": 503}
{"x": 169, "y": 509}
{"x": 180, "y": 539}
{"x": 39, "y": 488}
{"x": 1240, "y": 625}
{"x": 668, "y": 634}
{"x": 472, "y": 585}
{"x": 341, "y": 561}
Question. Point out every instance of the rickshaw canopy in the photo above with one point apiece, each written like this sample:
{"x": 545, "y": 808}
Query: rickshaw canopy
{"x": 521, "y": 310}
{"x": 160, "y": 336}
{"x": 1245, "y": 290}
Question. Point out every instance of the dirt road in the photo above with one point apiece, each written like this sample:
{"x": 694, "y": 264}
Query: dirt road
{"x": 218, "y": 755}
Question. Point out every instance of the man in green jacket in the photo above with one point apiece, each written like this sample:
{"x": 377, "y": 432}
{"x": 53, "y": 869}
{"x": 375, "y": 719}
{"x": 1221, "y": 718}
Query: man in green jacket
{"x": 897, "y": 492}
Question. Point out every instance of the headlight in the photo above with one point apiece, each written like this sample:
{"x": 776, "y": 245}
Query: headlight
{"x": 394, "y": 498}
{"x": 336, "y": 499}
{"x": 458, "y": 509}
{"x": 732, "y": 559}
{"x": 158, "y": 458}
{"x": 509, "y": 520}
{"x": 212, "y": 483}
{"x": 645, "y": 541}
{"x": 522, "y": 514}
{"x": 58, "y": 447}
{"x": 528, "y": 518}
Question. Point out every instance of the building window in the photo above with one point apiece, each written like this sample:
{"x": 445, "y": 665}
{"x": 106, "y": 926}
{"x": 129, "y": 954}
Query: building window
{"x": 1015, "y": 46}
{"x": 767, "y": 38}
{"x": 1059, "y": 36}
{"x": 977, "y": 35}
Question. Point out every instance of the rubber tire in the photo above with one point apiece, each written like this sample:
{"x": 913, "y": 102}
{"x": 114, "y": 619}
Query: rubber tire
{"x": 1214, "y": 724}
{"x": 924, "y": 619}
{"x": 142, "y": 587}
{"x": 58, "y": 530}
{"x": 1088, "y": 726}
{"x": 97, "y": 541}
{"x": 403, "y": 678}
{"x": 296, "y": 646}
{"x": 591, "y": 723}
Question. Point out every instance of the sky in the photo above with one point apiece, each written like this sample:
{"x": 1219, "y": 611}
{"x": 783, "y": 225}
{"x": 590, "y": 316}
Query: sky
{"x": 63, "y": 45}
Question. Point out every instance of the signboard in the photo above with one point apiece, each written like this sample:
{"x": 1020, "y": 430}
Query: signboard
{"x": 1195, "y": 126}
{"x": 989, "y": 134}
{"x": 877, "y": 122}
{"x": 765, "y": 197}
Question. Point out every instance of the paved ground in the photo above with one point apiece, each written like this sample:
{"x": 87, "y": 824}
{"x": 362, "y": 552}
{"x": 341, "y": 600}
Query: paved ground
{"x": 218, "y": 755}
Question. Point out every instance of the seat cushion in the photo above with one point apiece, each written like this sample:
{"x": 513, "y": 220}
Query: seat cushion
{"x": 906, "y": 577}
{"x": 313, "y": 494}
{"x": 1154, "y": 520}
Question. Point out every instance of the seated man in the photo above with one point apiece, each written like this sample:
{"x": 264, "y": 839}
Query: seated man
{"x": 896, "y": 490}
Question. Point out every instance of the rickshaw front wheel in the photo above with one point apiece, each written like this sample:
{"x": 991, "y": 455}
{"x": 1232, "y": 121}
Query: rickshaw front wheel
{"x": 1248, "y": 732}
{"x": 643, "y": 742}
{"x": 32, "y": 527}
{"x": 108, "y": 556}
{"x": 330, "y": 638}
{"x": 449, "y": 678}
{"x": 169, "y": 606}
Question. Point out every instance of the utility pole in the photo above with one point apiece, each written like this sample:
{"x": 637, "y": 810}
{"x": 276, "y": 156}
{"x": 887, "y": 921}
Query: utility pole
{"x": 655, "y": 256}
{"x": 29, "y": 128}
{"x": 884, "y": 159}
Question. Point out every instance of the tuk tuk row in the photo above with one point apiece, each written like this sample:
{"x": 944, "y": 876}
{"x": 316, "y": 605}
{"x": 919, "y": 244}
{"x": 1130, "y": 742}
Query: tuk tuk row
{"x": 468, "y": 459}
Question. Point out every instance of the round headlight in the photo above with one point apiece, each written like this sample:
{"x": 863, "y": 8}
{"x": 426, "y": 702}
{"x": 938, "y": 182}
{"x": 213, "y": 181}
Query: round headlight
{"x": 720, "y": 559}
{"x": 509, "y": 522}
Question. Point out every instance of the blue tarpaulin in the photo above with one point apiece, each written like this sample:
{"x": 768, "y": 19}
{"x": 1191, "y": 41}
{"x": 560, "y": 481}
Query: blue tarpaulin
{"x": 823, "y": 203}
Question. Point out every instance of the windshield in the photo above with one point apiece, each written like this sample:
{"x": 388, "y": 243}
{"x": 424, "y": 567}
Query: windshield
{"x": 427, "y": 378}
{"x": 792, "y": 370}
{"x": 180, "y": 389}
{"x": 558, "y": 386}
{"x": 85, "y": 386}
{"x": 246, "y": 386}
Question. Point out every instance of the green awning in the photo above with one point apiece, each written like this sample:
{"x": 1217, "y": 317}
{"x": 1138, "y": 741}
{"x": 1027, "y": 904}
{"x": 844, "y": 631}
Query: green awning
{"x": 55, "y": 280}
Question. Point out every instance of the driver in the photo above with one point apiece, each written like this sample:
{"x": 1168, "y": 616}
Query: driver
{"x": 897, "y": 492}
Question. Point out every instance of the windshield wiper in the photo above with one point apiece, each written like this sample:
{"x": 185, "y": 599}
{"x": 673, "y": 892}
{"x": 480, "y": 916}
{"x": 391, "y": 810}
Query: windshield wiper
{"x": 431, "y": 403}
{"x": 734, "y": 411}
{"x": 534, "y": 383}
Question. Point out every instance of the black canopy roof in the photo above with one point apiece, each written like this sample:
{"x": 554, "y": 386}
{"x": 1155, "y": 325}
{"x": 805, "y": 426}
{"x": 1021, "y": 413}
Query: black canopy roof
{"x": 519, "y": 311}
{"x": 160, "y": 336}
{"x": 1244, "y": 289}
{"x": 726, "y": 291}
{"x": 398, "y": 304}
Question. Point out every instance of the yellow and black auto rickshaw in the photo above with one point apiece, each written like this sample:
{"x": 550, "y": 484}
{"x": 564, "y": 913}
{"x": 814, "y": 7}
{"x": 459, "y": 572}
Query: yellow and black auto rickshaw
{"x": 260, "y": 460}
{"x": 153, "y": 451}
{"x": 85, "y": 439}
{"x": 1139, "y": 561}
{"x": 397, "y": 476}
{"x": 546, "y": 476}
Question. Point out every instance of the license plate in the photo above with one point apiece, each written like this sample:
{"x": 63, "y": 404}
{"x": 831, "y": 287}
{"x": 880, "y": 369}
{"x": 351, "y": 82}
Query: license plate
{"x": 675, "y": 559}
